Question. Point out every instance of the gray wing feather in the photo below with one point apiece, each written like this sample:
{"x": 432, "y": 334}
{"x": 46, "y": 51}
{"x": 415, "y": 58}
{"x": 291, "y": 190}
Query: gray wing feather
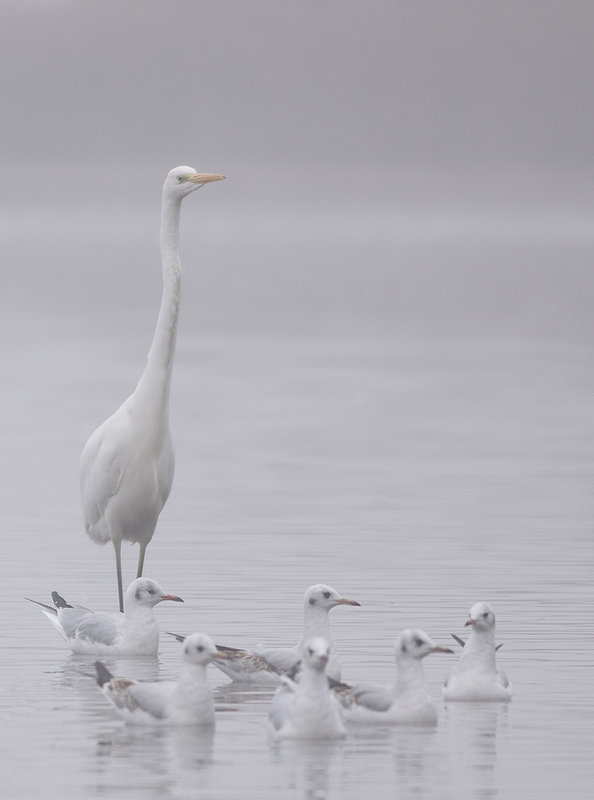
{"x": 98, "y": 627}
{"x": 375, "y": 698}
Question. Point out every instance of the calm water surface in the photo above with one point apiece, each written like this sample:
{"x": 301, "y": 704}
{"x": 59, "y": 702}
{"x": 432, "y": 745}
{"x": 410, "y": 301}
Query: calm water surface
{"x": 414, "y": 475}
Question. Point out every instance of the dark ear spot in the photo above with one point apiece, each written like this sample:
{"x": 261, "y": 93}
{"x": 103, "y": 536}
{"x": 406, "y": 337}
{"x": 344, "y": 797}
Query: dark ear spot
{"x": 138, "y": 594}
{"x": 403, "y": 647}
{"x": 312, "y": 601}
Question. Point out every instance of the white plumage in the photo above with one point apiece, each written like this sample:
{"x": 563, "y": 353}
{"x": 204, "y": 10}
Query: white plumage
{"x": 127, "y": 464}
{"x": 476, "y": 677}
{"x": 133, "y": 633}
{"x": 186, "y": 701}
{"x": 266, "y": 665}
{"x": 409, "y": 700}
{"x": 307, "y": 710}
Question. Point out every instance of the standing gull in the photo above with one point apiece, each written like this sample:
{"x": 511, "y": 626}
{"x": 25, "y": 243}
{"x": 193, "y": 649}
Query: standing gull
{"x": 133, "y": 633}
{"x": 187, "y": 701}
{"x": 126, "y": 466}
{"x": 409, "y": 701}
{"x": 307, "y": 710}
{"x": 476, "y": 676}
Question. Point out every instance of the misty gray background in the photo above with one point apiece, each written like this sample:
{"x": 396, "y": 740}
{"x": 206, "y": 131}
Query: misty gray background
{"x": 452, "y": 138}
{"x": 383, "y": 377}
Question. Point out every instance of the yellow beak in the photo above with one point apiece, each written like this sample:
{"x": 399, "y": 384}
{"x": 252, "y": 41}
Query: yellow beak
{"x": 205, "y": 177}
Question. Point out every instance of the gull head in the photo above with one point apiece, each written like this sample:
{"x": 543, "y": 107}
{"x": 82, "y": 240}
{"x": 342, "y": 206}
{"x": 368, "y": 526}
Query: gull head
{"x": 414, "y": 644}
{"x": 145, "y": 592}
{"x": 481, "y": 617}
{"x": 316, "y": 653}
{"x": 200, "y": 649}
{"x": 324, "y": 597}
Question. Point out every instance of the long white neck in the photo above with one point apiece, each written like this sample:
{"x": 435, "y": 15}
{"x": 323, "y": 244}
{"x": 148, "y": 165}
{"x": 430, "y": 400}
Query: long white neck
{"x": 155, "y": 382}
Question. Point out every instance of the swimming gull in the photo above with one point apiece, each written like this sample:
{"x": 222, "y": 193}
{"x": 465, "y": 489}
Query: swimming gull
{"x": 267, "y": 665}
{"x": 307, "y": 709}
{"x": 133, "y": 633}
{"x": 475, "y": 676}
{"x": 186, "y": 701}
{"x": 408, "y": 701}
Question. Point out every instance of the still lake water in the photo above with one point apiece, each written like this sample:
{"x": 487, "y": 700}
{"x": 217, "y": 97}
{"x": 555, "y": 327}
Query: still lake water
{"x": 415, "y": 473}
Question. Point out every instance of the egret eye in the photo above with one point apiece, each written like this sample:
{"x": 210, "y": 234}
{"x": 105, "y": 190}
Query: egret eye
{"x": 180, "y": 179}
{"x": 326, "y": 595}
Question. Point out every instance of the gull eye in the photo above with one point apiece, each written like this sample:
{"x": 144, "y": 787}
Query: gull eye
{"x": 151, "y": 590}
{"x": 419, "y": 642}
{"x": 485, "y": 615}
{"x": 200, "y": 648}
{"x": 180, "y": 178}
{"x": 326, "y": 595}
{"x": 310, "y": 651}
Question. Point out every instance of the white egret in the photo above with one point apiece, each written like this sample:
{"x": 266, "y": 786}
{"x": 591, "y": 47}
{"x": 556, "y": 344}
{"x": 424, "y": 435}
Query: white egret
{"x": 186, "y": 701}
{"x": 126, "y": 466}
{"x": 133, "y": 633}
{"x": 476, "y": 677}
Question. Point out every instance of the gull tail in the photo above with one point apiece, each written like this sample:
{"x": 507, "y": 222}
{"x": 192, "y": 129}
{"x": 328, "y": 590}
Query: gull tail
{"x": 103, "y": 674}
{"x": 51, "y": 609}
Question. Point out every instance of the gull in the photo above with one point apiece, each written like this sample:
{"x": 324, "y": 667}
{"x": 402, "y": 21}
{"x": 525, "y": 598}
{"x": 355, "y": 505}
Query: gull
{"x": 267, "y": 665}
{"x": 476, "y": 676}
{"x": 307, "y": 710}
{"x": 133, "y": 633}
{"x": 408, "y": 701}
{"x": 186, "y": 701}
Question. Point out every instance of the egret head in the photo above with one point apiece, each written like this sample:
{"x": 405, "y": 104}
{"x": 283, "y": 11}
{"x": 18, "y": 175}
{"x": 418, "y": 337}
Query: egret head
{"x": 183, "y": 180}
{"x": 325, "y": 597}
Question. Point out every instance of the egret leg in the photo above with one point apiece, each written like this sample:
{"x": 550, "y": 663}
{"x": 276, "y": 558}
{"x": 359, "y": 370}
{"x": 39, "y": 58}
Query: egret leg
{"x": 117, "y": 546}
{"x": 141, "y": 559}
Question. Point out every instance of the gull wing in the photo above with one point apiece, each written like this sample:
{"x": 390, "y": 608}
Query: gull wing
{"x": 95, "y": 627}
{"x": 376, "y": 698}
{"x": 282, "y": 702}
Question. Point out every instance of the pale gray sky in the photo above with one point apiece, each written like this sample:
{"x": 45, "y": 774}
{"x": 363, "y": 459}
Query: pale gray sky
{"x": 426, "y": 161}
{"x": 335, "y": 81}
